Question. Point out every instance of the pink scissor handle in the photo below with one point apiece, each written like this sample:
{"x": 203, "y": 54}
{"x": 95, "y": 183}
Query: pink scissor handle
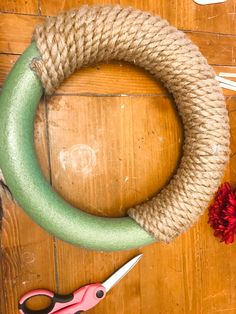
{"x": 57, "y": 301}
{"x": 82, "y": 299}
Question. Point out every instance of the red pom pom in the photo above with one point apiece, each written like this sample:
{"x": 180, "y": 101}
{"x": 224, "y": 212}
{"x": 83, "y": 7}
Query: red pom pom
{"x": 222, "y": 214}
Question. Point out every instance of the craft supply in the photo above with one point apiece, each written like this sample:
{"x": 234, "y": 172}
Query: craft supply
{"x": 222, "y": 214}
{"x": 225, "y": 83}
{"x": 204, "y": 2}
{"x": 224, "y": 74}
{"x": 93, "y": 34}
{"x": 81, "y": 300}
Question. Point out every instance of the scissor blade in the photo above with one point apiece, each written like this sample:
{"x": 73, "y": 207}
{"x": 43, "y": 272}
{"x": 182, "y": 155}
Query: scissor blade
{"x": 120, "y": 273}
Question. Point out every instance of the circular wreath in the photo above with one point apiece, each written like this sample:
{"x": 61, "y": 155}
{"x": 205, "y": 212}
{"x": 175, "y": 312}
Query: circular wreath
{"x": 93, "y": 34}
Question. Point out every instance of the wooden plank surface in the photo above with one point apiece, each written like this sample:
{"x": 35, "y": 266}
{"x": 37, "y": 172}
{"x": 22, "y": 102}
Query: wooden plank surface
{"x": 20, "y": 6}
{"x": 107, "y": 140}
{"x": 110, "y": 173}
{"x": 184, "y": 14}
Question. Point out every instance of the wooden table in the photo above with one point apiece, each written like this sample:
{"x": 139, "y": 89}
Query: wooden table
{"x": 111, "y": 138}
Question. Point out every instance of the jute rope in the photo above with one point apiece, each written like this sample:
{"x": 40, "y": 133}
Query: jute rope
{"x": 96, "y": 33}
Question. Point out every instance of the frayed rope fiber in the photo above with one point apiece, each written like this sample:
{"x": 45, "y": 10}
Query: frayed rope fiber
{"x": 93, "y": 34}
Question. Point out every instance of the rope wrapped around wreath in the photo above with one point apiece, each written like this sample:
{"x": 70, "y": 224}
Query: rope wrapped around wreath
{"x": 93, "y": 34}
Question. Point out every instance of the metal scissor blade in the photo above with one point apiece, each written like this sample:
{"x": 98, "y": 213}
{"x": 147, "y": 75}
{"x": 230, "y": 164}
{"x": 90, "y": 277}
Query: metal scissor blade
{"x": 120, "y": 273}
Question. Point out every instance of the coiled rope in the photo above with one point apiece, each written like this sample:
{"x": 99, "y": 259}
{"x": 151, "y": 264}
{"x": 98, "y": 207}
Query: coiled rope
{"x": 92, "y": 34}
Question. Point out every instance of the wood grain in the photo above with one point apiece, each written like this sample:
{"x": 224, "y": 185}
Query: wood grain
{"x": 16, "y": 32}
{"x": 84, "y": 156}
{"x": 108, "y": 139}
{"x": 184, "y": 14}
{"x": 20, "y": 6}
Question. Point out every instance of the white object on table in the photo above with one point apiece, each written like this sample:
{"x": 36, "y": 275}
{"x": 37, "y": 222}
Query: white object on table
{"x": 224, "y": 74}
{"x": 225, "y": 83}
{"x": 204, "y": 2}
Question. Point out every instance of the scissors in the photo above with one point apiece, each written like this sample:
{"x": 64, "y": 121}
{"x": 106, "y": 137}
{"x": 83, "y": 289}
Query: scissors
{"x": 82, "y": 299}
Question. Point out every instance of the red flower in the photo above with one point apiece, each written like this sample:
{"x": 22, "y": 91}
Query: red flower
{"x": 222, "y": 214}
